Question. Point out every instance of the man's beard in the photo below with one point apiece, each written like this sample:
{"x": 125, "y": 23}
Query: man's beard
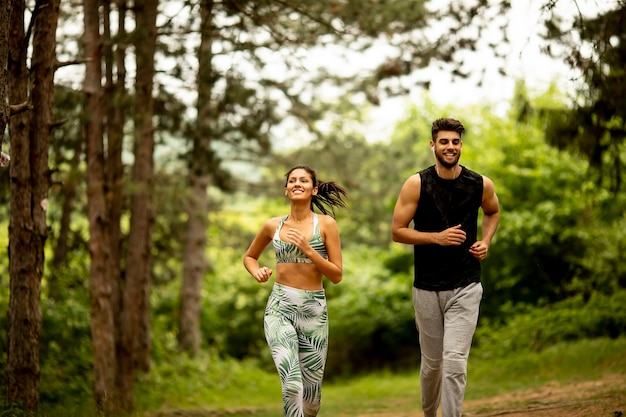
{"x": 447, "y": 164}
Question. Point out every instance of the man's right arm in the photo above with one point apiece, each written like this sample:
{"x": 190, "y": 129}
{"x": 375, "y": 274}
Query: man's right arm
{"x": 404, "y": 211}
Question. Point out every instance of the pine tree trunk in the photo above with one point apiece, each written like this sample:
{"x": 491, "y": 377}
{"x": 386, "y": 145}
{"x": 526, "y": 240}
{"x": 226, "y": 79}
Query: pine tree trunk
{"x": 22, "y": 369}
{"x": 116, "y": 105}
{"x": 5, "y": 26}
{"x": 194, "y": 267}
{"x": 29, "y": 172}
{"x": 136, "y": 346}
{"x": 102, "y": 310}
{"x": 68, "y": 193}
{"x": 195, "y": 263}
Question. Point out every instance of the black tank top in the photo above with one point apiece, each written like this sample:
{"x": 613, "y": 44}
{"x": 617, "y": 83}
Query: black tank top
{"x": 445, "y": 203}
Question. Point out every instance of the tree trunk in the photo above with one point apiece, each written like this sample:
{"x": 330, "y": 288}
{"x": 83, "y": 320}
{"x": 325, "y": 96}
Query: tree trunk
{"x": 29, "y": 172}
{"x": 143, "y": 172}
{"x": 68, "y": 194}
{"x": 136, "y": 307}
{"x": 115, "y": 103}
{"x": 102, "y": 319}
{"x": 195, "y": 262}
{"x": 195, "y": 266}
{"x": 24, "y": 321}
{"x": 5, "y": 25}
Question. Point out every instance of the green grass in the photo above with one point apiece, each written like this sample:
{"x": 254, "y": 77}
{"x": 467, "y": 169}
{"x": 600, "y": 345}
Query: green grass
{"x": 244, "y": 390}
{"x": 209, "y": 384}
{"x": 374, "y": 393}
{"x": 562, "y": 363}
{"x": 389, "y": 392}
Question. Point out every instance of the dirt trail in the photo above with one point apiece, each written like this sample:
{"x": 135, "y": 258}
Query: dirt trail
{"x": 600, "y": 398}
{"x": 605, "y": 397}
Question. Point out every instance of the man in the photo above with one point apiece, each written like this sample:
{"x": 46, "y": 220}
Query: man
{"x": 443, "y": 202}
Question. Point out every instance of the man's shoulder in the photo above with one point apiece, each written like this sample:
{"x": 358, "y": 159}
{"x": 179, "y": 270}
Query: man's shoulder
{"x": 472, "y": 174}
{"x": 415, "y": 179}
{"x": 426, "y": 171}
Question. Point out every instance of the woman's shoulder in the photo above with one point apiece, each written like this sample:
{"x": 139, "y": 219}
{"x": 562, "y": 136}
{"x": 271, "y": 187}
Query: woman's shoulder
{"x": 272, "y": 223}
{"x": 276, "y": 220}
{"x": 326, "y": 220}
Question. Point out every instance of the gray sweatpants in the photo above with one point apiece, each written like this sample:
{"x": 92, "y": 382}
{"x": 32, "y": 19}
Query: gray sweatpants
{"x": 446, "y": 321}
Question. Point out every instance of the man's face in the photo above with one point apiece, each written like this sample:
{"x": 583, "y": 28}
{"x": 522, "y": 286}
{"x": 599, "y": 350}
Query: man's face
{"x": 447, "y": 148}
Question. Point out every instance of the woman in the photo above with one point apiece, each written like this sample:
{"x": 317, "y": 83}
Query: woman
{"x": 307, "y": 247}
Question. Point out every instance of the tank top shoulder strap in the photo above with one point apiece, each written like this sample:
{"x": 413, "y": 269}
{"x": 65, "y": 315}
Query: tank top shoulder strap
{"x": 280, "y": 226}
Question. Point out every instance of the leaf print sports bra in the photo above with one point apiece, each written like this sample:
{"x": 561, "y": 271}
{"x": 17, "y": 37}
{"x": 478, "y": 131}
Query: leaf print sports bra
{"x": 289, "y": 253}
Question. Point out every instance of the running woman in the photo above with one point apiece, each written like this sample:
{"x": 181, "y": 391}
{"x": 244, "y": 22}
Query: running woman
{"x": 308, "y": 248}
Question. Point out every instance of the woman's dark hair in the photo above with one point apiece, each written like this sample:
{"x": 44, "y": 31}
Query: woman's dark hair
{"x": 446, "y": 124}
{"x": 329, "y": 194}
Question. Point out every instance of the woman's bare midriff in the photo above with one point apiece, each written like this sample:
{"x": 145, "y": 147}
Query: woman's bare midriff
{"x": 299, "y": 275}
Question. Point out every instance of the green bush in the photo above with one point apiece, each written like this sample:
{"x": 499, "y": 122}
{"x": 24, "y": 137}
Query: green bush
{"x": 536, "y": 328}
{"x": 65, "y": 347}
{"x": 372, "y": 322}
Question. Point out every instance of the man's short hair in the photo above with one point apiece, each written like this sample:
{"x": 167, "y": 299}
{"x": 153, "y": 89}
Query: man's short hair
{"x": 447, "y": 124}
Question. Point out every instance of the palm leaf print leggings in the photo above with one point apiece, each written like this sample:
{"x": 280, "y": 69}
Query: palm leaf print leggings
{"x": 296, "y": 329}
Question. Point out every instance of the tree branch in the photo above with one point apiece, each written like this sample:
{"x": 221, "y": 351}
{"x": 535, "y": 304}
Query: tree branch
{"x": 19, "y": 108}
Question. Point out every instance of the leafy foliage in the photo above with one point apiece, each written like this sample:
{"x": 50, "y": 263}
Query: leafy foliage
{"x": 536, "y": 328}
{"x": 372, "y": 321}
{"x": 595, "y": 47}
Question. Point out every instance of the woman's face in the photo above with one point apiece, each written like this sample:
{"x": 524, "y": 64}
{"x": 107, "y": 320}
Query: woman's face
{"x": 300, "y": 185}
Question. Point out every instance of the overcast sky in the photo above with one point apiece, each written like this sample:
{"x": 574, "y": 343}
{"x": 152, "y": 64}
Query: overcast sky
{"x": 525, "y": 61}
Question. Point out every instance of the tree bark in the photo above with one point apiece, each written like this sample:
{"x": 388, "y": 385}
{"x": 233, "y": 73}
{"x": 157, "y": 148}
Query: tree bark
{"x": 136, "y": 307}
{"x": 195, "y": 262}
{"x": 143, "y": 172}
{"x": 5, "y": 25}
{"x": 195, "y": 266}
{"x": 30, "y": 181}
{"x": 115, "y": 104}
{"x": 102, "y": 315}
{"x": 70, "y": 187}
{"x": 22, "y": 370}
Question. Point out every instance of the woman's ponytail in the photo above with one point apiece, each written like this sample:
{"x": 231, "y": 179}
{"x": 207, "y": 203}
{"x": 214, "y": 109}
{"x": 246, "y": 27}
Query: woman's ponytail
{"x": 329, "y": 195}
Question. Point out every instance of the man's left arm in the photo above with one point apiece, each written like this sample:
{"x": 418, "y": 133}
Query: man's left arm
{"x": 491, "y": 218}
